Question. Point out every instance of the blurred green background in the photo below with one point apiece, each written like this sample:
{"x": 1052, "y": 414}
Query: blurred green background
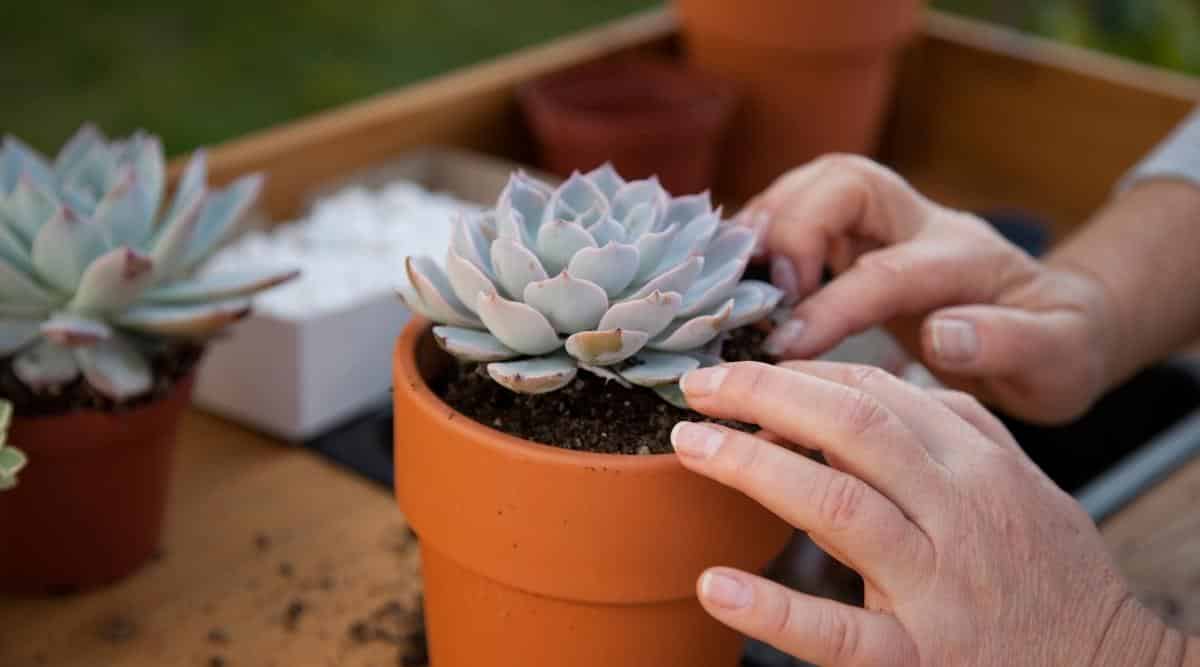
{"x": 200, "y": 72}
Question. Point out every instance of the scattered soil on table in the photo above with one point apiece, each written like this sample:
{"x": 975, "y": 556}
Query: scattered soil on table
{"x": 295, "y": 609}
{"x": 117, "y": 629}
{"x": 286, "y": 570}
{"x": 170, "y": 364}
{"x": 262, "y": 542}
{"x": 218, "y": 636}
{"x": 400, "y": 625}
{"x": 591, "y": 414}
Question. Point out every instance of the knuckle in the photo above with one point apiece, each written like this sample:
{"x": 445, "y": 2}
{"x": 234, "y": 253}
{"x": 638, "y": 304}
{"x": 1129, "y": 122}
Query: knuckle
{"x": 862, "y": 414}
{"x": 840, "y": 502}
{"x": 743, "y": 458}
{"x": 782, "y": 618}
{"x": 841, "y": 636}
{"x": 884, "y": 266}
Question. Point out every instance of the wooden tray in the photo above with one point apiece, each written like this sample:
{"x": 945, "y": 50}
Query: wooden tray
{"x": 983, "y": 117}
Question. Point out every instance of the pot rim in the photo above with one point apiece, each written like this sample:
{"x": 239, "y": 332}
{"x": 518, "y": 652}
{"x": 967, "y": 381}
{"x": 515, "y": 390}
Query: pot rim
{"x": 423, "y": 398}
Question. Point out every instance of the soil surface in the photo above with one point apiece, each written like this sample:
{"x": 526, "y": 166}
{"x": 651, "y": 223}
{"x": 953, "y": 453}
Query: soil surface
{"x": 591, "y": 414}
{"x": 170, "y": 365}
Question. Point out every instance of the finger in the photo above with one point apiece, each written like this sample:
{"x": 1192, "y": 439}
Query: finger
{"x": 812, "y": 629}
{"x": 853, "y": 430}
{"x": 899, "y": 280}
{"x": 972, "y": 411}
{"x": 943, "y": 432}
{"x": 866, "y": 531}
{"x": 993, "y": 340}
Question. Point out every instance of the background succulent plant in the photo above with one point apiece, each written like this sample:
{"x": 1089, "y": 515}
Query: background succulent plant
{"x": 616, "y": 278}
{"x": 12, "y": 460}
{"x": 95, "y": 267}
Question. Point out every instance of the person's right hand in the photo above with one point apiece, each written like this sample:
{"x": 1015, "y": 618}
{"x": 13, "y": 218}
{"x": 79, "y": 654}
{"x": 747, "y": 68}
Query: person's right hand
{"x": 1033, "y": 339}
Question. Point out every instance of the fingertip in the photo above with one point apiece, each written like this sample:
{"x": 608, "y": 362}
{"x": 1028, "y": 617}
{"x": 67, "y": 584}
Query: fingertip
{"x": 724, "y": 589}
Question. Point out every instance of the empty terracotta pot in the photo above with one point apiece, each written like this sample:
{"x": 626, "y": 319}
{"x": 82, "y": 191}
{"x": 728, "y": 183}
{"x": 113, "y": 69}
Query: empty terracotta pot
{"x": 648, "y": 117}
{"x": 88, "y": 508}
{"x": 817, "y": 76}
{"x": 534, "y": 555}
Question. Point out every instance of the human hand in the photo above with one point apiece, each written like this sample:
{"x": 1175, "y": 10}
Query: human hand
{"x": 970, "y": 555}
{"x": 1034, "y": 339}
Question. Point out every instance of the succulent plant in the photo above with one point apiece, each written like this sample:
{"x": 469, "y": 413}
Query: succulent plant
{"x": 12, "y": 460}
{"x": 95, "y": 267}
{"x": 616, "y": 278}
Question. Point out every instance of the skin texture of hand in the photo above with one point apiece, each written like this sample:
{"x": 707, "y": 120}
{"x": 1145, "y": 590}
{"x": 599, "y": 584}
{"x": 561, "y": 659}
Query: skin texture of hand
{"x": 984, "y": 316}
{"x": 971, "y": 556}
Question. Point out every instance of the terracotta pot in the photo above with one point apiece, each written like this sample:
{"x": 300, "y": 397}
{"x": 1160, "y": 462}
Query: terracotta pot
{"x": 648, "y": 117}
{"x": 817, "y": 76}
{"x": 88, "y": 508}
{"x": 534, "y": 555}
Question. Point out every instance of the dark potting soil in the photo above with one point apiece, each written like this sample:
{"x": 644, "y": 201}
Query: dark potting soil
{"x": 591, "y": 414}
{"x": 170, "y": 365}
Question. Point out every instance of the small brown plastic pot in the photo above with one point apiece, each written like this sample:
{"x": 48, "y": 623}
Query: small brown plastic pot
{"x": 817, "y": 76}
{"x": 88, "y": 508}
{"x": 648, "y": 117}
{"x": 534, "y": 555}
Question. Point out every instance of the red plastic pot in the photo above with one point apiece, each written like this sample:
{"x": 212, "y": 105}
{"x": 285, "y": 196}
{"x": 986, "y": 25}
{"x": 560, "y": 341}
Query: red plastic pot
{"x": 648, "y": 117}
{"x": 88, "y": 508}
{"x": 817, "y": 76}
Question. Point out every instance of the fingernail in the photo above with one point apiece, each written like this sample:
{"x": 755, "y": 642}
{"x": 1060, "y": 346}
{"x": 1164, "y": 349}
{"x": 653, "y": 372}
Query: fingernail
{"x": 784, "y": 276}
{"x": 704, "y": 381}
{"x": 724, "y": 590}
{"x": 954, "y": 341}
{"x": 783, "y": 337}
{"x": 696, "y": 440}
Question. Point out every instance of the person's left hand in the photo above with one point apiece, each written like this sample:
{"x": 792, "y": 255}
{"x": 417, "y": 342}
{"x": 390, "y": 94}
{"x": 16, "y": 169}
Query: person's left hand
{"x": 971, "y": 556}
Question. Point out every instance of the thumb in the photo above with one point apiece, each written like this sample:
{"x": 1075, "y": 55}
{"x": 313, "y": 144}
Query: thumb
{"x": 985, "y": 340}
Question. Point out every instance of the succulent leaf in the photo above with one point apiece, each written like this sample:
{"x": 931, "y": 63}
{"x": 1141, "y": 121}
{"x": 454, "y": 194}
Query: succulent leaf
{"x": 607, "y": 231}
{"x": 27, "y": 208}
{"x": 558, "y": 241}
{"x": 646, "y": 195}
{"x": 569, "y": 304}
{"x": 469, "y": 242}
{"x": 658, "y": 368}
{"x": 606, "y": 179}
{"x": 752, "y": 301}
{"x": 435, "y": 293}
{"x": 516, "y": 266}
{"x": 693, "y": 333}
{"x": 219, "y": 216}
{"x": 219, "y": 286}
{"x": 610, "y": 266}
{"x": 651, "y": 313}
{"x": 605, "y": 373}
{"x": 678, "y": 278}
{"x": 191, "y": 183}
{"x": 16, "y": 334}
{"x": 65, "y": 247}
{"x": 46, "y": 365}
{"x": 14, "y": 250}
{"x": 125, "y": 211}
{"x": 517, "y": 325}
{"x": 534, "y": 376}
{"x": 651, "y": 249}
{"x": 466, "y": 278}
{"x": 472, "y": 345}
{"x": 191, "y": 321}
{"x": 115, "y": 368}
{"x": 17, "y": 289}
{"x": 70, "y": 330}
{"x": 171, "y": 242}
{"x": 93, "y": 175}
{"x": 87, "y": 136}
{"x": 605, "y": 348}
{"x": 22, "y": 161}
{"x": 114, "y": 281}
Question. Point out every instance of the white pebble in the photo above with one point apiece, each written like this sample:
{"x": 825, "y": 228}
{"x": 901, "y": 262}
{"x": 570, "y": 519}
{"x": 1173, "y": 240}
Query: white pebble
{"x": 350, "y": 247}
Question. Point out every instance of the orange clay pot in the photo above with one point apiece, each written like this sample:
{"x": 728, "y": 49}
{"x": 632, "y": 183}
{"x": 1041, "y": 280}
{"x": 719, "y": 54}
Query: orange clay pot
{"x": 534, "y": 555}
{"x": 647, "y": 116}
{"x": 817, "y": 76}
{"x": 88, "y": 508}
